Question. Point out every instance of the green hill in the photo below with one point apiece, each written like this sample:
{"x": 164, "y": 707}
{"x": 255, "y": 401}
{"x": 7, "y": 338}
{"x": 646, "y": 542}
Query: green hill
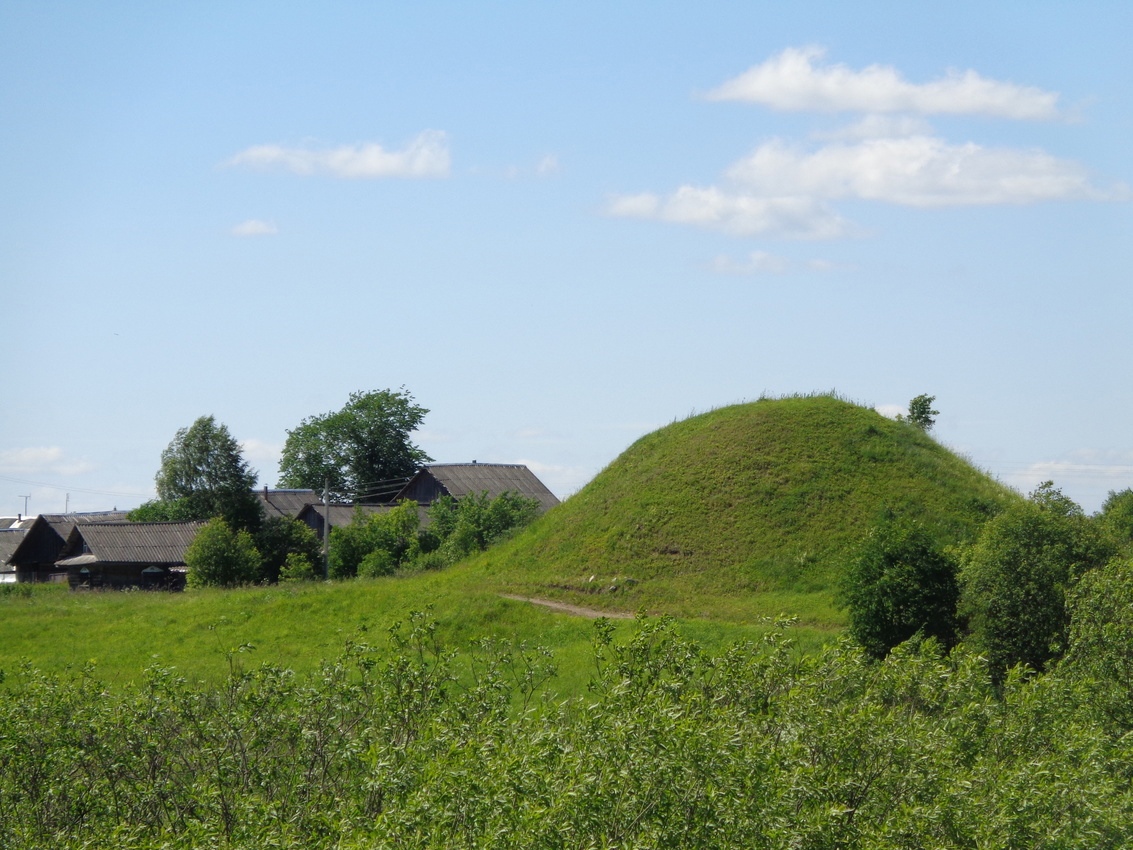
{"x": 742, "y": 512}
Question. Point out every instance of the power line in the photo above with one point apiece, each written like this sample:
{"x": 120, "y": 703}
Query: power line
{"x": 69, "y": 489}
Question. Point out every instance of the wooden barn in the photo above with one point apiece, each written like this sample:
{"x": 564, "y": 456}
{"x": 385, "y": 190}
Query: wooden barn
{"x": 150, "y": 555}
{"x": 34, "y": 558}
{"x": 461, "y": 479}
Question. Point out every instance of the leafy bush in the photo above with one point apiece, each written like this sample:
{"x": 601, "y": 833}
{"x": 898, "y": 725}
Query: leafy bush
{"x": 414, "y": 745}
{"x": 1016, "y": 576}
{"x": 476, "y": 521}
{"x": 219, "y": 556}
{"x": 380, "y": 541}
{"x": 900, "y": 583}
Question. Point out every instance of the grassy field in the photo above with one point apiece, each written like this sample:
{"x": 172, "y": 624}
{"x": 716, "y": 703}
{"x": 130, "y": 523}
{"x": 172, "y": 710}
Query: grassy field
{"x": 722, "y": 521}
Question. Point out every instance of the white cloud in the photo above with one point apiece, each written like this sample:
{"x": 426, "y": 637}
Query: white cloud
{"x": 737, "y": 212}
{"x": 427, "y": 155}
{"x": 791, "y": 81}
{"x": 921, "y": 171}
{"x": 41, "y": 459}
{"x": 255, "y": 227}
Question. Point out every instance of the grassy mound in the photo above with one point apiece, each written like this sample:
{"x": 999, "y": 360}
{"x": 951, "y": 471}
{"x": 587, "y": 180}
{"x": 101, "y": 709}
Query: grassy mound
{"x": 742, "y": 512}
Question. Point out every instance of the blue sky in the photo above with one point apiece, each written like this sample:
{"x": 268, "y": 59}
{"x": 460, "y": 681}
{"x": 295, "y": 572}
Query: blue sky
{"x": 560, "y": 226}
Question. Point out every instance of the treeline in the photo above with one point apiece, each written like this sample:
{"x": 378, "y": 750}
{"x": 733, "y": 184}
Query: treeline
{"x": 414, "y": 745}
{"x": 1008, "y": 593}
{"x": 372, "y": 545}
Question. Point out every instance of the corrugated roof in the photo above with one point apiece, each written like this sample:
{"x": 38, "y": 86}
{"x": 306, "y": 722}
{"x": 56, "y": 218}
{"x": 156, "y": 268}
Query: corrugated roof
{"x": 158, "y": 543}
{"x": 461, "y": 479}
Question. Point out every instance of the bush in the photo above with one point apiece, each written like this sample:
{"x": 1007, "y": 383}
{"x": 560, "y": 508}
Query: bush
{"x": 900, "y": 583}
{"x": 219, "y": 556}
{"x": 1015, "y": 578}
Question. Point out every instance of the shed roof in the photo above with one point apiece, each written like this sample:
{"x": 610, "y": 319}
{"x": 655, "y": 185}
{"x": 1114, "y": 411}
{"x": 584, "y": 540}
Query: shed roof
{"x": 157, "y": 543}
{"x": 461, "y": 479}
{"x": 9, "y": 539}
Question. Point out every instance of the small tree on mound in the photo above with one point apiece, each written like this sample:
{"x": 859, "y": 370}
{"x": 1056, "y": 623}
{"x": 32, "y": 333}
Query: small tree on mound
{"x": 899, "y": 583}
{"x": 221, "y": 557}
{"x": 921, "y": 413}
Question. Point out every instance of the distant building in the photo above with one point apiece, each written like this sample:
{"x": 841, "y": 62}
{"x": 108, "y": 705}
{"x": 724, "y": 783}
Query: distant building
{"x": 33, "y": 560}
{"x": 149, "y": 555}
{"x": 461, "y": 479}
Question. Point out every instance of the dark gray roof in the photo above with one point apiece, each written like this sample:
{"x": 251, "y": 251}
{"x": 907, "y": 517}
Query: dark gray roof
{"x": 461, "y": 479}
{"x": 157, "y": 543}
{"x": 285, "y": 502}
{"x": 48, "y": 533}
{"x": 9, "y": 540}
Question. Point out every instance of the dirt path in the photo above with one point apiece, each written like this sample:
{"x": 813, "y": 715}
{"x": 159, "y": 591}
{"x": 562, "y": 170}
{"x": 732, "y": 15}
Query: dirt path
{"x": 566, "y": 608}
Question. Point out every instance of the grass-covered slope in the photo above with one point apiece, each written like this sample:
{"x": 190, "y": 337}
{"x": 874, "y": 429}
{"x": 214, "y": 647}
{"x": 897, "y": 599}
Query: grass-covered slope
{"x": 744, "y": 511}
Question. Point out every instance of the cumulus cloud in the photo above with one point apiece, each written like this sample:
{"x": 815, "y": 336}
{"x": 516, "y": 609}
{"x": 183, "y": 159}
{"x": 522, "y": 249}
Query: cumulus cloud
{"x": 793, "y": 81}
{"x": 922, "y": 171}
{"x": 427, "y": 155}
{"x": 786, "y": 190}
{"x": 891, "y": 411}
{"x": 255, "y": 227}
{"x": 41, "y": 459}
{"x": 737, "y": 212}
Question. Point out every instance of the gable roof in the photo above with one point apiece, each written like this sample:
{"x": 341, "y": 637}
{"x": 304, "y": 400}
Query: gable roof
{"x": 461, "y": 479}
{"x": 47, "y": 535}
{"x": 286, "y": 503}
{"x": 152, "y": 543}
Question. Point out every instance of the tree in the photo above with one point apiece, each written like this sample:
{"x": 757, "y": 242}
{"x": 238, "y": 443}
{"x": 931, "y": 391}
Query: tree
{"x": 476, "y": 521}
{"x": 360, "y": 450}
{"x": 203, "y": 475}
{"x": 220, "y": 556}
{"x": 921, "y": 413}
{"x": 1117, "y": 516}
{"x": 281, "y": 540}
{"x": 1014, "y": 579}
{"x": 899, "y": 583}
{"x": 375, "y": 544}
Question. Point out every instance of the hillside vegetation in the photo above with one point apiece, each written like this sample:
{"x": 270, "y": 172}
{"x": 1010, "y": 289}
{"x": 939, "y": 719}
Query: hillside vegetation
{"x": 744, "y": 511}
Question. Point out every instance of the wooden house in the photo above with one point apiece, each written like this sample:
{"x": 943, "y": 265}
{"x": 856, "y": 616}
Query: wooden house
{"x": 149, "y": 555}
{"x": 461, "y": 479}
{"x": 34, "y": 558}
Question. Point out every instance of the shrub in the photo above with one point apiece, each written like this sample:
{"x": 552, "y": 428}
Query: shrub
{"x": 219, "y": 556}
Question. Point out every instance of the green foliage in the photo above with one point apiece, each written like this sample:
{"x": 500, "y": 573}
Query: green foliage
{"x": 1015, "y": 578}
{"x": 415, "y": 745}
{"x": 1117, "y": 516}
{"x": 921, "y": 413}
{"x": 203, "y": 475}
{"x": 298, "y": 567}
{"x": 221, "y": 556}
{"x": 476, "y": 521}
{"x": 359, "y": 449}
{"x": 898, "y": 584}
{"x": 280, "y": 538}
{"x": 375, "y": 544}
{"x": 159, "y": 510}
{"x": 1101, "y": 640}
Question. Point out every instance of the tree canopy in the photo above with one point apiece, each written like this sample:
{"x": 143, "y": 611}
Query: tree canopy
{"x": 203, "y": 474}
{"x": 358, "y": 450}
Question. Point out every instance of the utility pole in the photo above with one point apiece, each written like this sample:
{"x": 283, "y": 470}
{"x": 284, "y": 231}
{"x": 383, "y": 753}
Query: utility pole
{"x": 326, "y": 529}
